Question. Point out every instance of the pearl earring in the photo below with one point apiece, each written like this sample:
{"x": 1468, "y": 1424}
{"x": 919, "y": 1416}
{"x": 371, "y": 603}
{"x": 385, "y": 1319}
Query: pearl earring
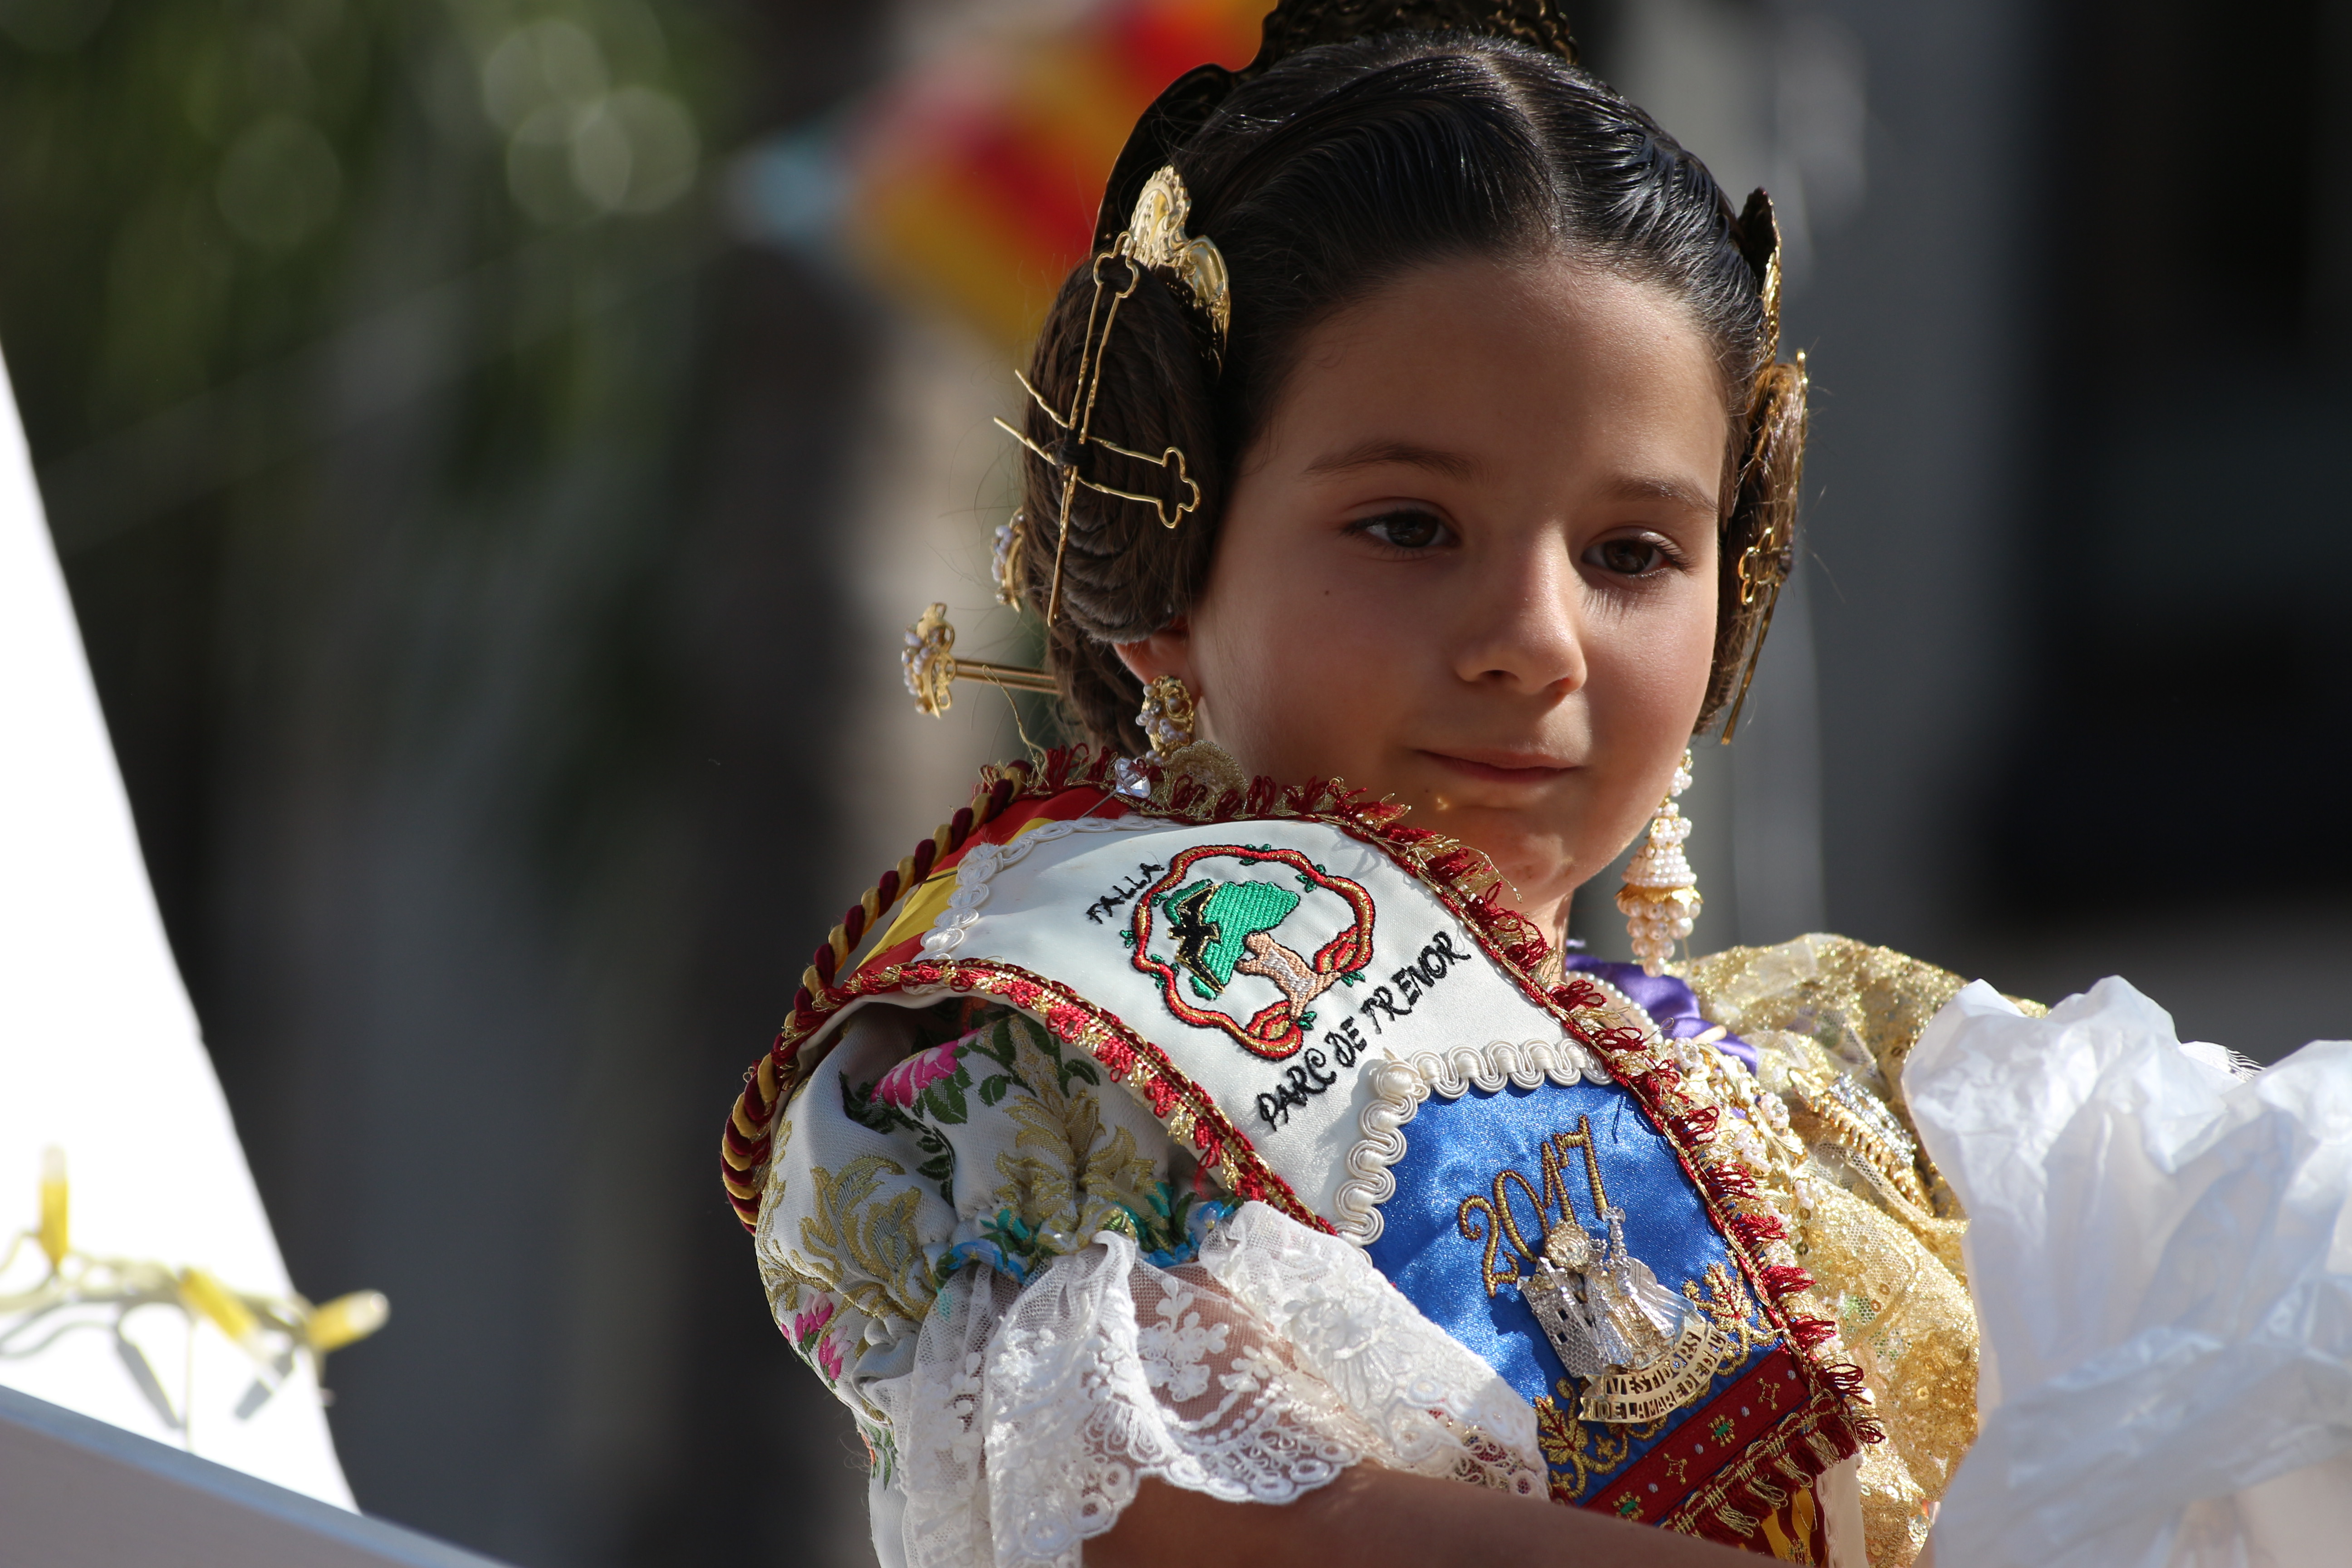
{"x": 1660, "y": 899}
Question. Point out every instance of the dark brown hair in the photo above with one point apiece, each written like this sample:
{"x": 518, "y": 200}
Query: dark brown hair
{"x": 1321, "y": 180}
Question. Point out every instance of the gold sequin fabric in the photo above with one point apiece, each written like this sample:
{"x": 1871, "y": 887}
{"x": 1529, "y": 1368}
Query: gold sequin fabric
{"x": 1833, "y": 1022}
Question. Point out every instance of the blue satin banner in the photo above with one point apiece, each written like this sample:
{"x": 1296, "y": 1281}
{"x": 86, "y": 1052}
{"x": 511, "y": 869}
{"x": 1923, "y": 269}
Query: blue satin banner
{"x": 1484, "y": 1178}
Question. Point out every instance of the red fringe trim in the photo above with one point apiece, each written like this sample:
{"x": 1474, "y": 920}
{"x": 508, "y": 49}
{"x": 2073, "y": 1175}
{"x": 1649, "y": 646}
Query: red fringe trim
{"x": 1623, "y": 1038}
{"x": 1577, "y": 995}
{"x": 1454, "y": 864}
{"x": 1697, "y": 1126}
{"x": 1811, "y": 1333}
{"x": 1783, "y": 1280}
{"x": 1658, "y": 1083}
{"x": 1725, "y": 1181}
{"x": 1755, "y": 1229}
{"x": 1846, "y": 1377}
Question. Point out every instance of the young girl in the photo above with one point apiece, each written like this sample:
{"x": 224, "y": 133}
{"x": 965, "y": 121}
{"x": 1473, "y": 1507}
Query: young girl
{"x": 1213, "y": 1154}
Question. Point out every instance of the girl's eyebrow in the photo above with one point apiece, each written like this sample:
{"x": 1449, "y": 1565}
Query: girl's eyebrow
{"x": 1648, "y": 487}
{"x": 1381, "y": 449}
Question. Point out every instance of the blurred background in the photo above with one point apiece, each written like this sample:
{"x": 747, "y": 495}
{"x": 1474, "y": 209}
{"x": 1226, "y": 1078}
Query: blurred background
{"x": 495, "y": 444}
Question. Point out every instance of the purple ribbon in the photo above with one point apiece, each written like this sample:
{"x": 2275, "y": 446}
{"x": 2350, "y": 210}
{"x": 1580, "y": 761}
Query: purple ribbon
{"x": 1666, "y": 999}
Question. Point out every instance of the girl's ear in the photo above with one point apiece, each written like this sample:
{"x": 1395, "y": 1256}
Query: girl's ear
{"x": 1168, "y": 651}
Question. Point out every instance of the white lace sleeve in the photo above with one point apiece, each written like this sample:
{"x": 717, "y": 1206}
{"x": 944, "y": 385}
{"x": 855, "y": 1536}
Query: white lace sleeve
{"x": 1012, "y": 1277}
{"x": 1257, "y": 1371}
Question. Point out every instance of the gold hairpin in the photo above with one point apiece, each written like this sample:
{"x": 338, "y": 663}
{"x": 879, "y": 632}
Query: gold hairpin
{"x": 1154, "y": 236}
{"x": 932, "y": 667}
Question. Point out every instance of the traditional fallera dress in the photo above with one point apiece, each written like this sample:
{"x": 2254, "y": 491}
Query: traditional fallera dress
{"x": 1228, "y": 1135}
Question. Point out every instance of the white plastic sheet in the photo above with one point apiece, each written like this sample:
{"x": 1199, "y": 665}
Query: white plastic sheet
{"x": 100, "y": 1054}
{"x": 2161, "y": 1254}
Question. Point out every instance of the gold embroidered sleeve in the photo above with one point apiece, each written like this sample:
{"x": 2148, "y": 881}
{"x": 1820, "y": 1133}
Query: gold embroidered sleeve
{"x": 1833, "y": 1022}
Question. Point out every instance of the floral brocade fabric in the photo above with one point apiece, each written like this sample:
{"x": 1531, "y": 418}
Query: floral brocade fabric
{"x": 1833, "y": 1022}
{"x": 1030, "y": 1299}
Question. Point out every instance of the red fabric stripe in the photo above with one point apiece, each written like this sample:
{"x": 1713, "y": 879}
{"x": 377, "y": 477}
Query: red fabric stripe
{"x": 1694, "y": 1453}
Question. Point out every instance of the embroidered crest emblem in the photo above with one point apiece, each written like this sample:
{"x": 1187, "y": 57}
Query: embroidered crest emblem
{"x": 1245, "y": 939}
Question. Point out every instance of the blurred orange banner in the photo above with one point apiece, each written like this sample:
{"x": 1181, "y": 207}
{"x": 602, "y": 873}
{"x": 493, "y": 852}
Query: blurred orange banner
{"x": 974, "y": 181}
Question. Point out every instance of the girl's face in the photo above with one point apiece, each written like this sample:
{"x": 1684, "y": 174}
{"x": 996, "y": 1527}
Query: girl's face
{"x": 1471, "y": 563}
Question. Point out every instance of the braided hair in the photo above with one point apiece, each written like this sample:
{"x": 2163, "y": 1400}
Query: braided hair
{"x": 1321, "y": 178}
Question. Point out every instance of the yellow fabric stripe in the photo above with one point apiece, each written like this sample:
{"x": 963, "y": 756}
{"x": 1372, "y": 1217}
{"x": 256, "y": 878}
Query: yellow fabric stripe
{"x": 917, "y": 912}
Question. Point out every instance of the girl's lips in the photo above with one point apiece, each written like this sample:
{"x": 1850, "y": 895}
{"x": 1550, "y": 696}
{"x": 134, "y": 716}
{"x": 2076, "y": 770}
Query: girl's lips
{"x": 1501, "y": 767}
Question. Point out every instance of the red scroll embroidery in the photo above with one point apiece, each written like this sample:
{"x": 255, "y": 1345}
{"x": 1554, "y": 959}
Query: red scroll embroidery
{"x": 1196, "y": 930}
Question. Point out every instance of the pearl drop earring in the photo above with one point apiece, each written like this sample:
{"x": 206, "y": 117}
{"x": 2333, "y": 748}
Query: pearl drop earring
{"x": 1660, "y": 899}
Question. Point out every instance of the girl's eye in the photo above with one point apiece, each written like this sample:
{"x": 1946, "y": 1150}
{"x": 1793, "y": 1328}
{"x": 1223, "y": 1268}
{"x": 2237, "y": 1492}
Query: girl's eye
{"x": 1406, "y": 530}
{"x": 1628, "y": 557}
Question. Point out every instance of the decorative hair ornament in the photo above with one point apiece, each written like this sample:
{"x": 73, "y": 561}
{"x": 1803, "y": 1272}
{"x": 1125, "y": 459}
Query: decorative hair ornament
{"x": 932, "y": 669}
{"x": 1167, "y": 717}
{"x": 1660, "y": 899}
{"x": 1154, "y": 237}
{"x": 1776, "y": 434}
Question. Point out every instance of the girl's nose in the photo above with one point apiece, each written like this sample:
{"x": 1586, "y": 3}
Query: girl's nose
{"x": 1523, "y": 634}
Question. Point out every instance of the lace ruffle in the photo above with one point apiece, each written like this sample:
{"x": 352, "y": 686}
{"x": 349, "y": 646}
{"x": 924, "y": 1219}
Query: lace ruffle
{"x": 1255, "y": 1373}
